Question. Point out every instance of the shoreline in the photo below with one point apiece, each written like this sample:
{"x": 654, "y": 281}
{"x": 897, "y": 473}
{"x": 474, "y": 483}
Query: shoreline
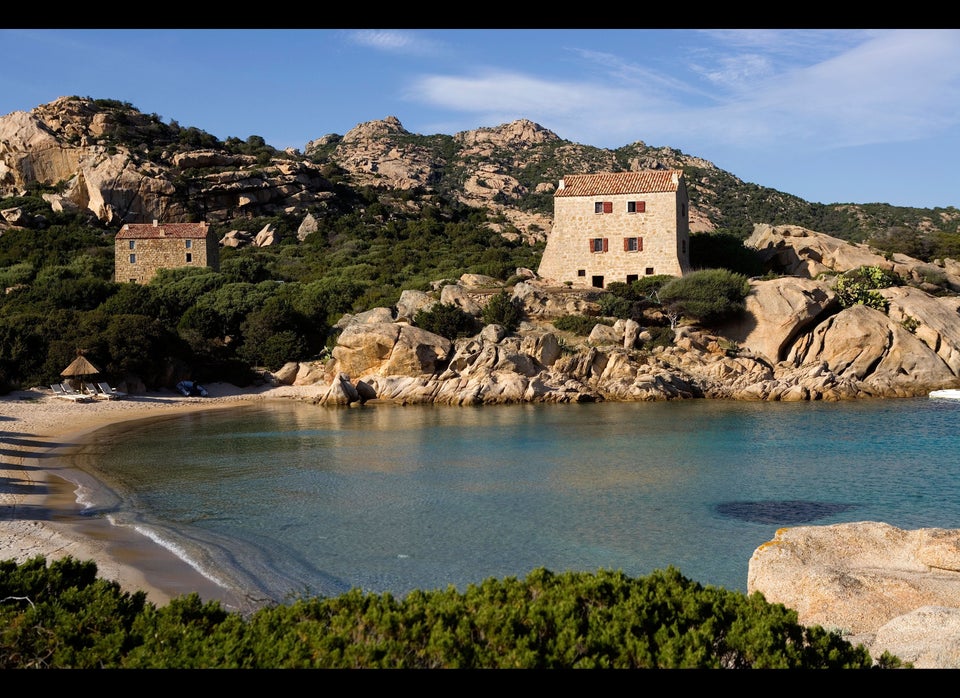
{"x": 41, "y": 514}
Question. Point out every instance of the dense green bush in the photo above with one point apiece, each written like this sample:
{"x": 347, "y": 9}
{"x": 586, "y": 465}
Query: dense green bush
{"x": 503, "y": 310}
{"x": 447, "y": 320}
{"x": 612, "y": 305}
{"x": 706, "y": 296}
{"x": 63, "y": 616}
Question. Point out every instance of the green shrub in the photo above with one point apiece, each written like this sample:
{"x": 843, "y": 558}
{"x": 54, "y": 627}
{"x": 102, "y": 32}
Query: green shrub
{"x": 859, "y": 287}
{"x": 612, "y": 305}
{"x": 578, "y": 324}
{"x": 659, "y": 337}
{"x": 503, "y": 310}
{"x": 447, "y": 320}
{"x": 707, "y": 296}
{"x": 14, "y": 274}
{"x": 62, "y": 616}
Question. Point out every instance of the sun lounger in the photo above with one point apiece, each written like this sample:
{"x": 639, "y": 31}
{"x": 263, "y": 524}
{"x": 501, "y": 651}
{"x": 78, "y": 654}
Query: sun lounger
{"x": 68, "y": 393}
{"x": 110, "y": 393}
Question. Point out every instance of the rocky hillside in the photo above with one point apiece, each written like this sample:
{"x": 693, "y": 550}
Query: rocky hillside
{"x": 108, "y": 158}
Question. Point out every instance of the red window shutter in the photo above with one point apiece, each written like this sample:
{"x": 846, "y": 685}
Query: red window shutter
{"x": 639, "y": 244}
{"x": 590, "y": 245}
{"x": 641, "y": 206}
{"x": 605, "y": 245}
{"x": 608, "y": 207}
{"x": 626, "y": 244}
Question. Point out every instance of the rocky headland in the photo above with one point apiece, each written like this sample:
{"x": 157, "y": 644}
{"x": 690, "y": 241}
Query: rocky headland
{"x": 794, "y": 342}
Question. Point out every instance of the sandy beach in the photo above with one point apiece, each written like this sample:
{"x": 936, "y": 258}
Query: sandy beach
{"x": 40, "y": 514}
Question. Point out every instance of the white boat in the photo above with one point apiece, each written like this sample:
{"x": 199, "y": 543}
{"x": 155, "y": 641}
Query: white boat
{"x": 949, "y": 394}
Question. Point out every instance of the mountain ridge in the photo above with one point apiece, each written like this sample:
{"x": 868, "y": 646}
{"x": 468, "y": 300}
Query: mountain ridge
{"x": 125, "y": 166}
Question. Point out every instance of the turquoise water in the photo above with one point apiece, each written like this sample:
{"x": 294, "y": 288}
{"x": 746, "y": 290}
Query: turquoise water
{"x": 285, "y": 499}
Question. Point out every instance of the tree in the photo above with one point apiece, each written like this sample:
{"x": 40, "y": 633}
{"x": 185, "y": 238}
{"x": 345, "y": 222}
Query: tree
{"x": 706, "y": 296}
{"x": 275, "y": 334}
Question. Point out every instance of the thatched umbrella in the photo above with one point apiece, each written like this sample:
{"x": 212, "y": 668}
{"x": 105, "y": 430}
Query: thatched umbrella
{"x": 80, "y": 368}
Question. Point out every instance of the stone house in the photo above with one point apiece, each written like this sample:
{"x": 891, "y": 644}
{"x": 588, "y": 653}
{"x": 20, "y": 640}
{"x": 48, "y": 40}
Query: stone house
{"x": 140, "y": 249}
{"x": 618, "y": 226}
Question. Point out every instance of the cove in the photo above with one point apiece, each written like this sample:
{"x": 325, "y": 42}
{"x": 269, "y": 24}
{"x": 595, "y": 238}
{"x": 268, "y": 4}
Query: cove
{"x": 288, "y": 498}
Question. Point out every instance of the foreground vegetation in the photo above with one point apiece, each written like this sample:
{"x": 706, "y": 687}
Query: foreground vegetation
{"x": 61, "y": 615}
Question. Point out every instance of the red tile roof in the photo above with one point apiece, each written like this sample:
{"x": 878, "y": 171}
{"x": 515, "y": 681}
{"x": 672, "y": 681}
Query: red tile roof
{"x": 140, "y": 231}
{"x": 646, "y": 182}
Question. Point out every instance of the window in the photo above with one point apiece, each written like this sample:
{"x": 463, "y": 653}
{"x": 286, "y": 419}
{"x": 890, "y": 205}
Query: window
{"x": 632, "y": 277}
{"x": 581, "y": 272}
{"x": 188, "y": 243}
{"x": 636, "y": 206}
{"x": 189, "y": 257}
{"x": 133, "y": 259}
{"x": 603, "y": 207}
{"x": 598, "y": 244}
{"x": 596, "y": 281}
{"x": 633, "y": 244}
{"x": 133, "y": 244}
{"x": 648, "y": 271}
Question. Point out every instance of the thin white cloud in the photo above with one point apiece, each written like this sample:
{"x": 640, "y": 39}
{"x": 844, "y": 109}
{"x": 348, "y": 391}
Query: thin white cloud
{"x": 898, "y": 86}
{"x": 504, "y": 91}
{"x": 631, "y": 75}
{"x": 819, "y": 89}
{"x": 395, "y": 41}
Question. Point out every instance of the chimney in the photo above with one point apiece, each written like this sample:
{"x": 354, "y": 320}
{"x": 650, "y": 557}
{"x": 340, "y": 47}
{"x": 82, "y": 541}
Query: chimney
{"x": 155, "y": 221}
{"x": 562, "y": 185}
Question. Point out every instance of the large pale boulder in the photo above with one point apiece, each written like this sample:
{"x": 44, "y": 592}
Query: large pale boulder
{"x": 456, "y": 294}
{"x": 411, "y": 302}
{"x": 537, "y": 300}
{"x": 777, "y": 310}
{"x": 865, "y": 344}
{"x": 800, "y": 252}
{"x": 891, "y": 589}
{"x": 340, "y": 392}
{"x": 935, "y": 321}
{"x": 307, "y": 227}
{"x": 389, "y": 348}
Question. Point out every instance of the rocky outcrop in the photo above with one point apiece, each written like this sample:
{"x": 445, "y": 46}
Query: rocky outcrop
{"x": 890, "y": 589}
{"x": 794, "y": 342}
{"x": 71, "y": 142}
{"x": 777, "y": 311}
{"x": 796, "y": 251}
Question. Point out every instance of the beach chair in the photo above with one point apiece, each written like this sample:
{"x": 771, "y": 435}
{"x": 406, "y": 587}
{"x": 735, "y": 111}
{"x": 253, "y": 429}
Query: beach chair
{"x": 68, "y": 393}
{"x": 109, "y": 392}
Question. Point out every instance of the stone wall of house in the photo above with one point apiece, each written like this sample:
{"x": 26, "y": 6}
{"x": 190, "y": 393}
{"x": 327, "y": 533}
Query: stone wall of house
{"x": 662, "y": 227}
{"x": 153, "y": 254}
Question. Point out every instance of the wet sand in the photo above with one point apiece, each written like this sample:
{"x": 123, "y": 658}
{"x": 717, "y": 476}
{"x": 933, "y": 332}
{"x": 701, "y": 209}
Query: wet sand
{"x": 40, "y": 514}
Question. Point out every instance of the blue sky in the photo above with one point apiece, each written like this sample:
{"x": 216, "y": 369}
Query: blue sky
{"x": 829, "y": 115}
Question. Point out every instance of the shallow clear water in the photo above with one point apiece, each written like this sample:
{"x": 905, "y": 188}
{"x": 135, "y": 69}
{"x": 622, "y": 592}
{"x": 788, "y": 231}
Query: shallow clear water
{"x": 291, "y": 498}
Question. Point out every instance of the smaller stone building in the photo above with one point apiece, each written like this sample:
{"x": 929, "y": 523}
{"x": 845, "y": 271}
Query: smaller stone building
{"x": 140, "y": 249}
{"x": 618, "y": 226}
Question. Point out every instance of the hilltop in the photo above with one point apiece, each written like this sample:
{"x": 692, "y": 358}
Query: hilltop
{"x": 108, "y": 158}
